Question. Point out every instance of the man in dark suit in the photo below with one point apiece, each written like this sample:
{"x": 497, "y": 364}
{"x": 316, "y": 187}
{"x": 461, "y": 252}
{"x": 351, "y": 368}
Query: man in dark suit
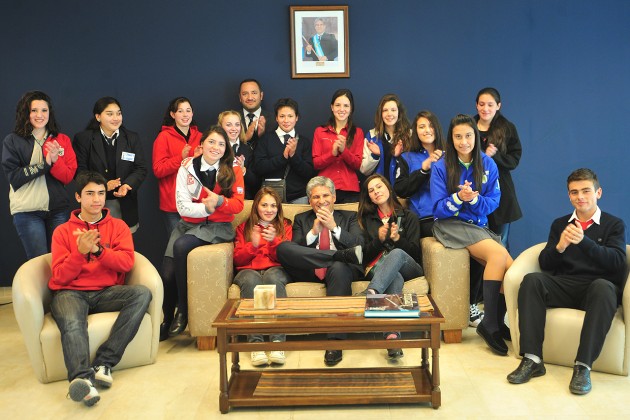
{"x": 323, "y": 46}
{"x": 251, "y": 96}
{"x": 326, "y": 246}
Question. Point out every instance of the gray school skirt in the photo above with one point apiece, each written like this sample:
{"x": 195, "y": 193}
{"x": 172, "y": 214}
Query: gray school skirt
{"x": 457, "y": 234}
{"x": 212, "y": 232}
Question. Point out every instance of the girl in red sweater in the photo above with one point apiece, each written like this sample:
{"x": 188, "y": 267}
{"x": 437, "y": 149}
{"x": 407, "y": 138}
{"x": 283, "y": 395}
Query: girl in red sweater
{"x": 338, "y": 148}
{"x": 208, "y": 193}
{"x": 178, "y": 140}
{"x": 256, "y": 262}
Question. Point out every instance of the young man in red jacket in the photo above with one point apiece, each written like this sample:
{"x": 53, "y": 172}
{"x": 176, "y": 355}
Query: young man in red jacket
{"x": 91, "y": 253}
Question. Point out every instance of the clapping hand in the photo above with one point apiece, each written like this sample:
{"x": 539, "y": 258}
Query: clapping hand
{"x": 466, "y": 192}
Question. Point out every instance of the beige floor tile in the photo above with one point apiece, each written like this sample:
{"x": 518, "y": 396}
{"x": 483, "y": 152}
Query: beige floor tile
{"x": 184, "y": 384}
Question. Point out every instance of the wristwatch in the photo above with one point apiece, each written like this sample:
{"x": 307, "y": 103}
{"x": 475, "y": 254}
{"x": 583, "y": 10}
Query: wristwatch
{"x": 99, "y": 252}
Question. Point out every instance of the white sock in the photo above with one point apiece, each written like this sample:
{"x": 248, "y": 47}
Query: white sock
{"x": 532, "y": 357}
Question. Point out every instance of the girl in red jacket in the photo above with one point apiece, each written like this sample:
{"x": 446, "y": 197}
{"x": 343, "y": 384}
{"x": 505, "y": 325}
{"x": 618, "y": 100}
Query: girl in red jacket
{"x": 38, "y": 161}
{"x": 209, "y": 192}
{"x": 256, "y": 262}
{"x": 178, "y": 140}
{"x": 338, "y": 148}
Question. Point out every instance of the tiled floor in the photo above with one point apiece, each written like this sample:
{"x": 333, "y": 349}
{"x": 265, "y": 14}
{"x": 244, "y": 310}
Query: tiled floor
{"x": 184, "y": 384}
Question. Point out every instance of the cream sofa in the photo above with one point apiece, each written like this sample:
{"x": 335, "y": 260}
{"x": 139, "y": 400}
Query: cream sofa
{"x": 563, "y": 325}
{"x": 31, "y": 304}
{"x": 210, "y": 274}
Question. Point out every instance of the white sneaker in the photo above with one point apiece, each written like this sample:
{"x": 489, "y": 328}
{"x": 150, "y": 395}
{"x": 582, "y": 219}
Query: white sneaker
{"x": 277, "y": 357}
{"x": 476, "y": 315}
{"x": 103, "y": 376}
{"x": 259, "y": 358}
{"x": 83, "y": 390}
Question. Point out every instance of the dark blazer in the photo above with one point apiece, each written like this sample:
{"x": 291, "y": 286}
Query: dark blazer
{"x": 329, "y": 46}
{"x": 270, "y": 163}
{"x": 347, "y": 220}
{"x": 270, "y": 126}
{"x": 252, "y": 181}
{"x": 88, "y": 146}
{"x": 509, "y": 209}
{"x": 409, "y": 236}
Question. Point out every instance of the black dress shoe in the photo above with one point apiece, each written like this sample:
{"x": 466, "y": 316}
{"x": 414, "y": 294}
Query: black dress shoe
{"x": 394, "y": 354}
{"x": 494, "y": 340}
{"x": 505, "y": 332}
{"x": 178, "y": 325}
{"x": 352, "y": 255}
{"x": 164, "y": 327}
{"x": 526, "y": 370}
{"x": 581, "y": 380}
{"x": 332, "y": 357}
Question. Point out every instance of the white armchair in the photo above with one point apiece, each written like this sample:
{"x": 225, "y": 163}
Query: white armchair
{"x": 563, "y": 325}
{"x": 31, "y": 304}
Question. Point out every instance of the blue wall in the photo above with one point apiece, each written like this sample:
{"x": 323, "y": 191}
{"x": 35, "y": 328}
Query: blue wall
{"x": 562, "y": 68}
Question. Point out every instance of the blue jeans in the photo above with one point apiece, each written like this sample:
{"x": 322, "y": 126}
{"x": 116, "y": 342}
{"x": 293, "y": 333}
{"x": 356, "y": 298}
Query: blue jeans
{"x": 70, "y": 309}
{"x": 391, "y": 273}
{"x": 35, "y": 229}
{"x": 247, "y": 280}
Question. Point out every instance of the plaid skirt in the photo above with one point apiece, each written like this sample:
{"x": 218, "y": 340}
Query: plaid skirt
{"x": 457, "y": 234}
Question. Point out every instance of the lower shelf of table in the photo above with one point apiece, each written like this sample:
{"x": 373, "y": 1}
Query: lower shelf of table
{"x": 303, "y": 387}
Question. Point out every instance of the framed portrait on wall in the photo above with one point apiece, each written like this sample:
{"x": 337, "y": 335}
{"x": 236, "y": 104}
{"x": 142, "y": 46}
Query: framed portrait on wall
{"x": 319, "y": 41}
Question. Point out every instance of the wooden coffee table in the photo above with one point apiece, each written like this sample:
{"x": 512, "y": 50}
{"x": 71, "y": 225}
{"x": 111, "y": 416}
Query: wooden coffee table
{"x": 326, "y": 386}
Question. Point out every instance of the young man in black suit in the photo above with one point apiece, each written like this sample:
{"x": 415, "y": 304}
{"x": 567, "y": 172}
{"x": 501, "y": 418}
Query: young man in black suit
{"x": 285, "y": 154}
{"x": 326, "y": 246}
{"x": 584, "y": 265}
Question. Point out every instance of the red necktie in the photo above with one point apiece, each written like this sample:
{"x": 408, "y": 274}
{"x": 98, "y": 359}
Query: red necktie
{"x": 585, "y": 225}
{"x": 324, "y": 244}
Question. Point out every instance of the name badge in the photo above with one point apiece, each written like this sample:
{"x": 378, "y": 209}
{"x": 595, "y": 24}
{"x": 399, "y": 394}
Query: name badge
{"x": 129, "y": 157}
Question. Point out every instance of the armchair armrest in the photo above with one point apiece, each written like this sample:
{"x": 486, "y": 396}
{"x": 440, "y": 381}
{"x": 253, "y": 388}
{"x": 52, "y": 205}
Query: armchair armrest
{"x": 31, "y": 300}
{"x": 144, "y": 273}
{"x": 448, "y": 274}
{"x": 526, "y": 262}
{"x": 210, "y": 274}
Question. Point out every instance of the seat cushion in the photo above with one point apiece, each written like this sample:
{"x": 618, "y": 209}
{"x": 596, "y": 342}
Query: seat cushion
{"x": 137, "y": 353}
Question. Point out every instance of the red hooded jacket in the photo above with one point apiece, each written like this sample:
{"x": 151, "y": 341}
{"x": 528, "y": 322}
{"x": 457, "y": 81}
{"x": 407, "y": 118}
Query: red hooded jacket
{"x": 76, "y": 271}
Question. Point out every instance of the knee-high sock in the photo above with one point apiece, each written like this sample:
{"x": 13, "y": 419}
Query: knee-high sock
{"x": 491, "y": 302}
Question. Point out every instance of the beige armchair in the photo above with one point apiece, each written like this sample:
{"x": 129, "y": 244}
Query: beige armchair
{"x": 210, "y": 275}
{"x": 563, "y": 325}
{"x": 31, "y": 302}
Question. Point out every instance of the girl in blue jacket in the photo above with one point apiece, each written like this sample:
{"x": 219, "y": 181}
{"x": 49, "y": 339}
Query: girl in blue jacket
{"x": 465, "y": 190}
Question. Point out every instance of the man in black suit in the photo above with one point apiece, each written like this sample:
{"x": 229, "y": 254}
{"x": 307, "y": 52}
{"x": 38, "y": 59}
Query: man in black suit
{"x": 251, "y": 96}
{"x": 326, "y": 247}
{"x": 323, "y": 46}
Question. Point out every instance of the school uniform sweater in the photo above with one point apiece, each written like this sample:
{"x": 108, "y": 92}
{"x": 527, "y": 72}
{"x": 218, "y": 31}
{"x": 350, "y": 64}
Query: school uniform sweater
{"x": 247, "y": 256}
{"x": 446, "y": 204}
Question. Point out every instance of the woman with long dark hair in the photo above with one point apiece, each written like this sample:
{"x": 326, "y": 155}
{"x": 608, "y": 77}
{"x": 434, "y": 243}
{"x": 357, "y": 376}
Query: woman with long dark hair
{"x": 413, "y": 172}
{"x": 391, "y": 235}
{"x": 500, "y": 141}
{"x": 209, "y": 192}
{"x": 256, "y": 262}
{"x": 38, "y": 161}
{"x": 464, "y": 191}
{"x": 108, "y": 148}
{"x": 338, "y": 147}
{"x": 385, "y": 142}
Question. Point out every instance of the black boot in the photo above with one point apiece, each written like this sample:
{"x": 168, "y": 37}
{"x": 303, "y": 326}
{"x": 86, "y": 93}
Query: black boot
{"x": 352, "y": 255}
